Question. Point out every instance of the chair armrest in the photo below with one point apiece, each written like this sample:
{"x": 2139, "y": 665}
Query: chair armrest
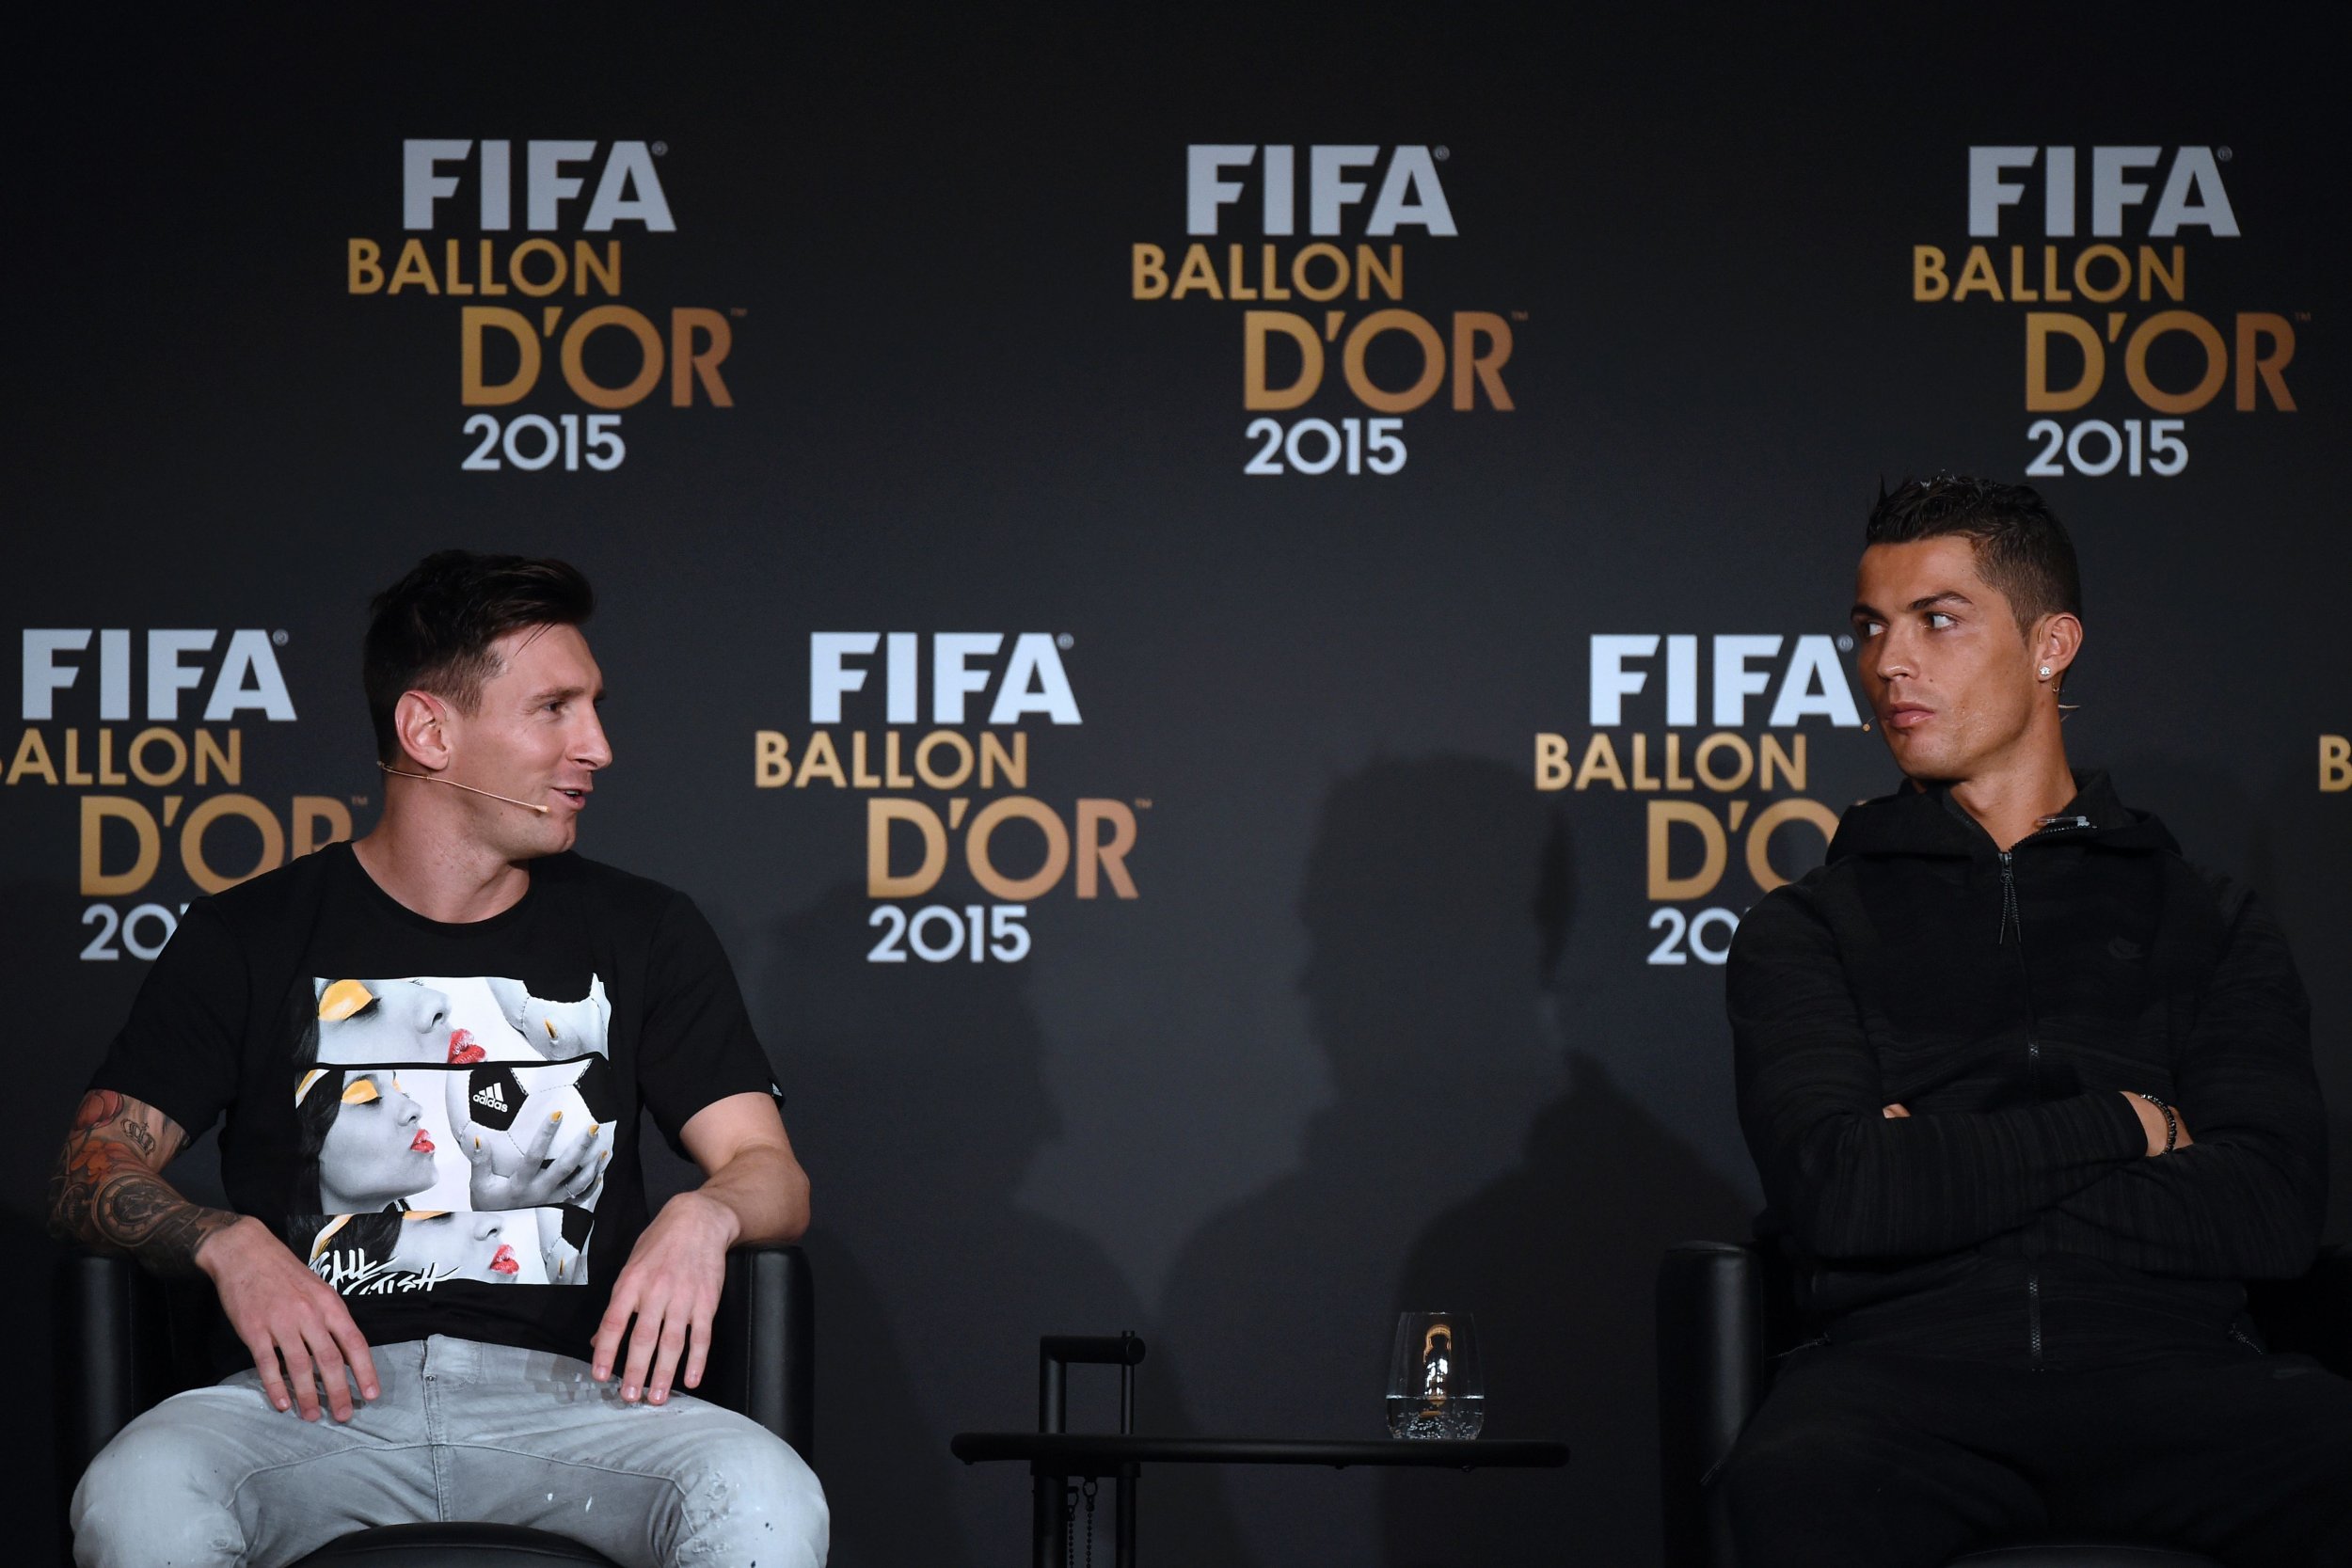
{"x": 114, "y": 1351}
{"x": 1710, "y": 1379}
{"x": 2312, "y": 1314}
{"x": 763, "y": 1344}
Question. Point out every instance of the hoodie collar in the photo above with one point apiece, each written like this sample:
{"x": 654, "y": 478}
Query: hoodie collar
{"x": 1926, "y": 820}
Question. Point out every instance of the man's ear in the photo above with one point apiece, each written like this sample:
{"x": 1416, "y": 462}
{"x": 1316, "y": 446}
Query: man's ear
{"x": 420, "y": 721}
{"x": 2057, "y": 639}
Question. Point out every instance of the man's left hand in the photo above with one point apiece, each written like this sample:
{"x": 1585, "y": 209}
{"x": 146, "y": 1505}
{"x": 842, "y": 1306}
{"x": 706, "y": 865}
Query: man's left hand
{"x": 670, "y": 1286}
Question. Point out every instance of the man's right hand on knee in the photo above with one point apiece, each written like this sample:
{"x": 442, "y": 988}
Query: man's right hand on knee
{"x": 286, "y": 1314}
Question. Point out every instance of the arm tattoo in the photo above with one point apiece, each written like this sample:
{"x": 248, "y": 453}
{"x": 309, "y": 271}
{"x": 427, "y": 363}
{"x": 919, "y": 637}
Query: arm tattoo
{"x": 105, "y": 1194}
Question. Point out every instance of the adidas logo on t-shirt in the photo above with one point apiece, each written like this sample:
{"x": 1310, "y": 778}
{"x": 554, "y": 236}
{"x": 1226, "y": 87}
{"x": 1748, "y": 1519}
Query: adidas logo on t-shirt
{"x": 492, "y": 1097}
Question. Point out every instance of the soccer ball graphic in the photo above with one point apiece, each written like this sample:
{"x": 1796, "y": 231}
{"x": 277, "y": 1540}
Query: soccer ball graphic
{"x": 535, "y": 1135}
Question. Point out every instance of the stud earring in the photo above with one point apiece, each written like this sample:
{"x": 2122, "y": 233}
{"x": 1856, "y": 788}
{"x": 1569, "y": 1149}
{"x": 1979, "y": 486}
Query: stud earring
{"x": 2046, "y": 671}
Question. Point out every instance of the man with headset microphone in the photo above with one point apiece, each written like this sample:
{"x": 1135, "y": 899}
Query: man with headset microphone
{"x": 501, "y": 1331}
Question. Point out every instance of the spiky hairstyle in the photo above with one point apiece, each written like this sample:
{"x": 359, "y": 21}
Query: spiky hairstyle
{"x": 2021, "y": 548}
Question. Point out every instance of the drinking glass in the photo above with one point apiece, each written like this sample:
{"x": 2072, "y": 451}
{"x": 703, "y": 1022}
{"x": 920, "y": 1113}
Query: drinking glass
{"x": 1434, "y": 1387}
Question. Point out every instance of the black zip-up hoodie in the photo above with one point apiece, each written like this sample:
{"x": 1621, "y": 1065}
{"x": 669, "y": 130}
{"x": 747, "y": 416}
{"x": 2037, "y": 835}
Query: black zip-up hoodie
{"x": 2004, "y": 999}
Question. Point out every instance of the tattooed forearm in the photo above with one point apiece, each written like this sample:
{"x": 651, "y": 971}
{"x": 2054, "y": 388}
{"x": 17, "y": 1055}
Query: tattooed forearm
{"x": 104, "y": 1192}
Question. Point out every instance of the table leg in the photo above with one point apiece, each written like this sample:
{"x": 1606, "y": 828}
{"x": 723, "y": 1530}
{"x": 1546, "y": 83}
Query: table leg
{"x": 1124, "y": 1554}
{"x": 1045, "y": 1521}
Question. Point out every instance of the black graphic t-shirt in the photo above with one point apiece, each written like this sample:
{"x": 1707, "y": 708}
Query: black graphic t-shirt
{"x": 441, "y": 1121}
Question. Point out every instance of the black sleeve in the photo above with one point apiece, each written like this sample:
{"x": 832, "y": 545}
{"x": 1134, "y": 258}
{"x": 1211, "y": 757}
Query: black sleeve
{"x": 179, "y": 1051}
{"x": 2244, "y": 1199}
{"x": 698, "y": 1045}
{"x": 1848, "y": 1181}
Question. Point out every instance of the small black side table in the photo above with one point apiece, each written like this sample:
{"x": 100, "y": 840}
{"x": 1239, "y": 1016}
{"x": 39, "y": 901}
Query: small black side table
{"x": 1054, "y": 1456}
{"x": 1064, "y": 1455}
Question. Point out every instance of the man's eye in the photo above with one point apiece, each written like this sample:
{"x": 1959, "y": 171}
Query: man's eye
{"x": 1937, "y": 620}
{"x": 1871, "y": 628}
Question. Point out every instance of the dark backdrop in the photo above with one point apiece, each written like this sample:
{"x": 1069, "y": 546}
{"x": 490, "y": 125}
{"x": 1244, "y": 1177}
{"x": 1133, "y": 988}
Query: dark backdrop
{"x": 1387, "y": 1024}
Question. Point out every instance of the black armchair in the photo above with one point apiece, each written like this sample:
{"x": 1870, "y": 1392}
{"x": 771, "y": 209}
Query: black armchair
{"x": 127, "y": 1340}
{"x": 1723, "y": 1313}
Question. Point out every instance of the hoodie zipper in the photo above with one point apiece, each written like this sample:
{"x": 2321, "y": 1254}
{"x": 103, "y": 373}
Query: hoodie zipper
{"x": 2012, "y": 921}
{"x": 2009, "y": 918}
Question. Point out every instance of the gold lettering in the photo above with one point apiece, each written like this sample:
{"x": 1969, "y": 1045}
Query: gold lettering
{"x": 2253, "y": 327}
{"x": 772, "y": 764}
{"x": 96, "y": 882}
{"x": 881, "y": 812}
{"x": 310, "y": 812}
{"x": 32, "y": 756}
{"x": 1432, "y": 361}
{"x": 1738, "y": 745}
{"x": 2208, "y": 337}
{"x": 1235, "y": 288}
{"x": 1600, "y": 762}
{"x": 412, "y": 267}
{"x": 1664, "y": 885}
{"x": 975, "y": 842}
{"x": 211, "y": 758}
{"x": 2040, "y": 397}
{"x": 1196, "y": 274}
{"x": 1790, "y": 768}
{"x": 158, "y": 776}
{"x": 1330, "y": 253}
{"x": 1768, "y": 821}
{"x": 1643, "y": 779}
{"x": 1255, "y": 393}
{"x": 1108, "y": 858}
{"x": 366, "y": 272}
{"x": 209, "y": 811}
{"x": 2122, "y": 273}
{"x": 1929, "y": 281}
{"x": 1148, "y": 280}
{"x": 1976, "y": 275}
{"x": 1469, "y": 327}
{"x": 1553, "y": 770}
{"x": 955, "y": 742}
{"x": 993, "y": 760}
{"x": 819, "y": 762}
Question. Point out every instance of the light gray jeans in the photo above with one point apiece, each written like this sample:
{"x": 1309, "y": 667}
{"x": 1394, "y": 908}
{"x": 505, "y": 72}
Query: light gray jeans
{"x": 462, "y": 1430}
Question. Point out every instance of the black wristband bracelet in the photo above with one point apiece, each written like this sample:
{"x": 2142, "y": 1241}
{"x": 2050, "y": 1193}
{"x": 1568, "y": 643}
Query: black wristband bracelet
{"x": 2172, "y": 1118}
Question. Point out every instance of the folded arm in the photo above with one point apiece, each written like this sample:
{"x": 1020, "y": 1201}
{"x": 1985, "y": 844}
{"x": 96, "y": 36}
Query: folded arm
{"x": 1851, "y": 1182}
{"x": 2245, "y": 1200}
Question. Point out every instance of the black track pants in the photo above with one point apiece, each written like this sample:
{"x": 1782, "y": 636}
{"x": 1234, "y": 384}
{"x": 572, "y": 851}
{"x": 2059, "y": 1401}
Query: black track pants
{"x": 1879, "y": 1459}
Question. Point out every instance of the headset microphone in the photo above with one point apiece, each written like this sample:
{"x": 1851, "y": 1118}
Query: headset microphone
{"x": 435, "y": 778}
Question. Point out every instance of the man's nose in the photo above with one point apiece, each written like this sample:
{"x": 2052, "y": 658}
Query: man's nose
{"x": 1890, "y": 656}
{"x": 592, "y": 750}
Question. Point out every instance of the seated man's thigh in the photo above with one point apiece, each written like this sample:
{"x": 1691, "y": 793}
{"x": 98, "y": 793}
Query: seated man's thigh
{"x": 536, "y": 1441}
{"x": 1861, "y": 1457}
{"x": 216, "y": 1476}
{"x": 2249, "y": 1458}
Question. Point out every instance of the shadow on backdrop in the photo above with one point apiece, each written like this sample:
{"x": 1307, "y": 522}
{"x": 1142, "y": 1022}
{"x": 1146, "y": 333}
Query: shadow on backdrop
{"x": 1435, "y": 902}
{"x": 1557, "y": 1258}
{"x": 917, "y": 1100}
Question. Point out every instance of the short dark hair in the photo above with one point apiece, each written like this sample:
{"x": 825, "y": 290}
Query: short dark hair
{"x": 432, "y": 630}
{"x": 2021, "y": 546}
